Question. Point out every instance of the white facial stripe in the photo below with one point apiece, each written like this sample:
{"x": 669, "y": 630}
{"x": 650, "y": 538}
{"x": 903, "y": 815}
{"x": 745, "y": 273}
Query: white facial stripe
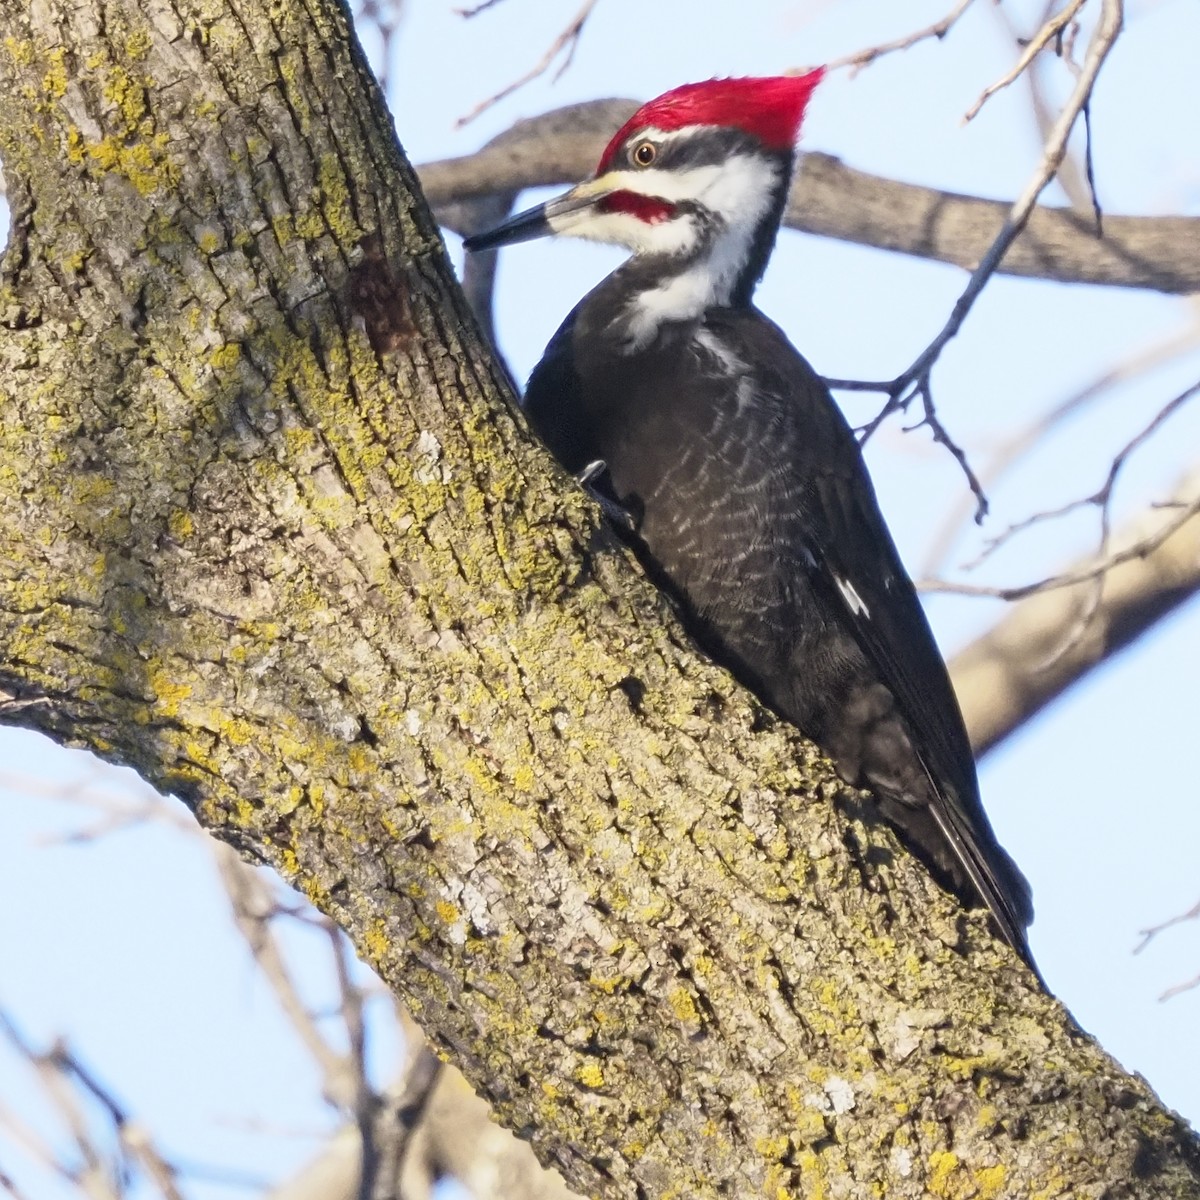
{"x": 664, "y": 137}
{"x": 737, "y": 193}
{"x": 728, "y": 189}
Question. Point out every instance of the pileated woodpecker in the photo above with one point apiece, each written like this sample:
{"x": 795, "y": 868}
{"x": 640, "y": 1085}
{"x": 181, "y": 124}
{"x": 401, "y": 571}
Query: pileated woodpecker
{"x": 745, "y": 485}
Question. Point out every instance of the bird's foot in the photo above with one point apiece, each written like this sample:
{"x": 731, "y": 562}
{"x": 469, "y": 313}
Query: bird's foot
{"x": 592, "y": 479}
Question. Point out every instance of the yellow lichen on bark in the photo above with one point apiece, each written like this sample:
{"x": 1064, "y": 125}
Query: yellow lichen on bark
{"x": 290, "y": 552}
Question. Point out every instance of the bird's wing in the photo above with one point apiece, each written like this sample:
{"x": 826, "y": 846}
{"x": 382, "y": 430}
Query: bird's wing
{"x": 888, "y": 623}
{"x": 855, "y": 562}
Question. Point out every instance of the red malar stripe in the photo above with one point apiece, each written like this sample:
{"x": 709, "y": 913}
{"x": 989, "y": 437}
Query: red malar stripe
{"x": 645, "y": 208}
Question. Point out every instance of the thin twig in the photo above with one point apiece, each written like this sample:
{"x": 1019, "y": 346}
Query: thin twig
{"x": 566, "y": 41}
{"x": 21, "y": 1132}
{"x": 1052, "y": 582}
{"x": 10, "y": 1186}
{"x": 1014, "y": 449}
{"x": 386, "y": 16}
{"x": 1149, "y": 934}
{"x": 901, "y": 392}
{"x": 410, "y": 1103}
{"x": 475, "y": 9}
{"x": 1107, "y": 31}
{"x": 1070, "y": 175}
{"x": 1067, "y": 54}
{"x": 916, "y": 380}
{"x": 365, "y": 1106}
{"x": 1089, "y": 169}
{"x": 1177, "y": 988}
{"x": 863, "y": 58}
{"x": 1002, "y": 679}
{"x": 94, "y": 1174}
{"x": 253, "y": 907}
{"x": 138, "y": 804}
{"x": 940, "y": 435}
{"x": 1101, "y": 498}
{"x": 1035, "y": 45}
{"x": 135, "y": 1141}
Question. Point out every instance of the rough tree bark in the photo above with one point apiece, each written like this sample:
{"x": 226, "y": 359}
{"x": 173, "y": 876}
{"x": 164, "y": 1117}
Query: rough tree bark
{"x": 271, "y": 533}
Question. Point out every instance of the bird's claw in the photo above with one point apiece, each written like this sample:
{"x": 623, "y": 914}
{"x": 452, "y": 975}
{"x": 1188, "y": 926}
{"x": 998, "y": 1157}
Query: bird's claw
{"x": 591, "y": 472}
{"x": 590, "y": 479}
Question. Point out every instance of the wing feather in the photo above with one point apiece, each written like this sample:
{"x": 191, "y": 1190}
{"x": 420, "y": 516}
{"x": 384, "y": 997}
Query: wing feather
{"x": 860, "y": 572}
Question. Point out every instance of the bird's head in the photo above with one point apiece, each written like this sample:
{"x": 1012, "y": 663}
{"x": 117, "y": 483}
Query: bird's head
{"x": 702, "y": 167}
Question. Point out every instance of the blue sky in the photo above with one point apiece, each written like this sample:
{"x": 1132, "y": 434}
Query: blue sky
{"x": 124, "y": 946}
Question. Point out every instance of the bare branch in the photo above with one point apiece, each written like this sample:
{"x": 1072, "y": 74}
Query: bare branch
{"x": 62, "y": 1076}
{"x": 135, "y": 1139}
{"x": 1097, "y": 568}
{"x": 1153, "y": 931}
{"x": 564, "y": 45}
{"x": 476, "y": 9}
{"x": 1017, "y": 667}
{"x": 863, "y": 58}
{"x": 253, "y": 906}
{"x": 10, "y": 1186}
{"x": 479, "y": 269}
{"x": 1179, "y": 988}
{"x": 1051, "y": 29}
{"x": 833, "y": 200}
{"x": 385, "y": 15}
{"x": 1070, "y": 176}
{"x": 1149, "y": 934}
{"x": 94, "y": 1175}
{"x": 1101, "y": 499}
{"x": 120, "y": 801}
{"x": 404, "y": 1126}
{"x": 365, "y": 1103}
{"x": 27, "y": 1137}
{"x": 931, "y": 421}
{"x": 916, "y": 381}
{"x": 1014, "y": 449}
{"x": 900, "y": 396}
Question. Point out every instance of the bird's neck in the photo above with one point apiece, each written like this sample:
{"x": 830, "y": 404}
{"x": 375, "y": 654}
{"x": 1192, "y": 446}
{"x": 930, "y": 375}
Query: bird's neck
{"x": 651, "y": 292}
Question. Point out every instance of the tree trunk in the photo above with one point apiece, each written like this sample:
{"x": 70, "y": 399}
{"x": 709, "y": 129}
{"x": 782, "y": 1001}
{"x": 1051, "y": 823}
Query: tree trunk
{"x": 271, "y": 533}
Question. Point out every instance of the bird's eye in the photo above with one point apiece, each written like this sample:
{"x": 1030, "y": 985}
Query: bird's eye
{"x": 644, "y": 153}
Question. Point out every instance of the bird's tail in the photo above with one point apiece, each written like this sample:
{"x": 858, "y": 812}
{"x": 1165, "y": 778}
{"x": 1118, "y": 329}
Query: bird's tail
{"x": 994, "y": 875}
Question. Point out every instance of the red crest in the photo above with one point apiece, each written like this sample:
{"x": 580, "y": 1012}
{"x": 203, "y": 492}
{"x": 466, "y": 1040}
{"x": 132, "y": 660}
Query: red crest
{"x": 769, "y": 108}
